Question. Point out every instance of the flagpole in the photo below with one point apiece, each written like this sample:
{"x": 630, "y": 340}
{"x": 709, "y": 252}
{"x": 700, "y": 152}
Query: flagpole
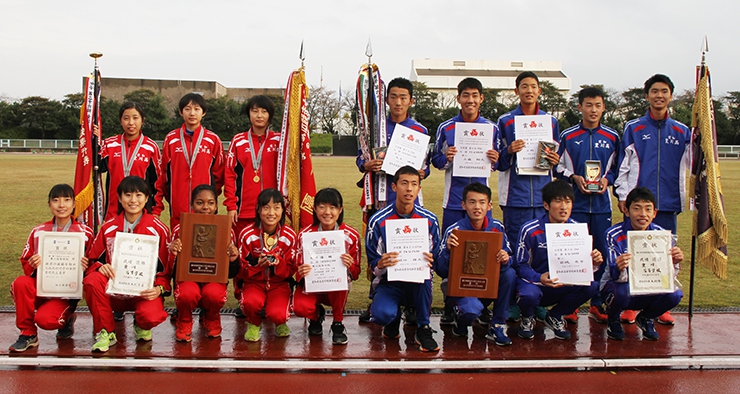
{"x": 95, "y": 141}
{"x": 370, "y": 101}
{"x": 704, "y": 50}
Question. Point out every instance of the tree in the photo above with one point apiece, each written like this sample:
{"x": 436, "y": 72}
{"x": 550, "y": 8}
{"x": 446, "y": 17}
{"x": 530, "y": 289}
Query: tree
{"x": 40, "y": 116}
{"x": 111, "y": 124}
{"x": 733, "y": 111}
{"x": 491, "y": 108}
{"x": 610, "y": 118}
{"x": 323, "y": 107}
{"x": 633, "y": 104}
{"x": 157, "y": 122}
{"x": 225, "y": 117}
{"x": 69, "y": 123}
{"x": 551, "y": 100}
{"x": 426, "y": 109}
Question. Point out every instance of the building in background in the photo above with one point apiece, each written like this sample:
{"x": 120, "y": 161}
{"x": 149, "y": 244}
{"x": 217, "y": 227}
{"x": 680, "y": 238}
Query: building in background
{"x": 172, "y": 90}
{"x": 443, "y": 75}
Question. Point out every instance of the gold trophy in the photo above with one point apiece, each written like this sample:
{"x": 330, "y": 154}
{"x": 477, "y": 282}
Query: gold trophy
{"x": 593, "y": 176}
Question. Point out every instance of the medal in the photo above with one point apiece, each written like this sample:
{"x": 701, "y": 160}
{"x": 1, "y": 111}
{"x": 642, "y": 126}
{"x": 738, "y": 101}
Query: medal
{"x": 256, "y": 160}
{"x": 270, "y": 241}
{"x": 256, "y": 179}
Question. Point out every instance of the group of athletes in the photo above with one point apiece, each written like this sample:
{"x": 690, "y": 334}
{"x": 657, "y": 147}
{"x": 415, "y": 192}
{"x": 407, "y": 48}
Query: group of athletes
{"x": 646, "y": 170}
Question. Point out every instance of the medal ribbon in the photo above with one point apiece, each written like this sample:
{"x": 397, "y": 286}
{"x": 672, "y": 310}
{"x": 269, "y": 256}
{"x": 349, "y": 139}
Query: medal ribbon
{"x": 129, "y": 227}
{"x": 66, "y": 226}
{"x": 124, "y": 158}
{"x": 188, "y": 159}
{"x": 256, "y": 161}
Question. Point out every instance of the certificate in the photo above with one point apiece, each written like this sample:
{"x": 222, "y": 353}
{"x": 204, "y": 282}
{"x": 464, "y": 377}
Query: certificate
{"x": 407, "y": 148}
{"x": 134, "y": 263}
{"x": 569, "y": 253}
{"x": 410, "y": 238}
{"x": 60, "y": 272}
{"x": 472, "y": 141}
{"x": 651, "y": 269}
{"x": 322, "y": 250}
{"x": 532, "y": 129}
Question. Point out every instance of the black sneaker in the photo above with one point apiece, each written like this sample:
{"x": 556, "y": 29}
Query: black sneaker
{"x": 24, "y": 342}
{"x": 314, "y": 326}
{"x": 68, "y": 330}
{"x": 118, "y": 316}
{"x": 614, "y": 329}
{"x": 338, "y": 334}
{"x": 392, "y": 329}
{"x": 239, "y": 313}
{"x": 425, "y": 339}
{"x": 409, "y": 316}
{"x": 485, "y": 317}
{"x": 367, "y": 315}
{"x": 448, "y": 316}
{"x": 557, "y": 326}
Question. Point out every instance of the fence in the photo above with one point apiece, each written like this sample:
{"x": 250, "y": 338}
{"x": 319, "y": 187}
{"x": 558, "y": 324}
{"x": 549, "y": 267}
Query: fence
{"x": 347, "y": 146}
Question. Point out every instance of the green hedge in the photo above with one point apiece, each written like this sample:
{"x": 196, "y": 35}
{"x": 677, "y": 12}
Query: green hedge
{"x": 321, "y": 143}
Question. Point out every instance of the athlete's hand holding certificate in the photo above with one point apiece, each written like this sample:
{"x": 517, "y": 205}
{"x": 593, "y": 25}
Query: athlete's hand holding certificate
{"x": 407, "y": 148}
{"x": 323, "y": 251}
{"x": 134, "y": 264}
{"x": 408, "y": 239}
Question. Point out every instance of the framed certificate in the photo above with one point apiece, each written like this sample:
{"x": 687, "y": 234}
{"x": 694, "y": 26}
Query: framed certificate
{"x": 323, "y": 251}
{"x": 474, "y": 268}
{"x": 651, "y": 270}
{"x": 60, "y": 272}
{"x": 205, "y": 248}
{"x": 134, "y": 262}
{"x": 410, "y": 238}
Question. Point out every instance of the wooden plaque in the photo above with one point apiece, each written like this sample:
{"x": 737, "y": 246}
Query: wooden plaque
{"x": 205, "y": 244}
{"x": 474, "y": 269}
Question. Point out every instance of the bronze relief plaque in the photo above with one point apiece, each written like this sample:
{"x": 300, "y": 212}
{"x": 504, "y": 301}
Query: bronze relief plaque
{"x": 204, "y": 241}
{"x": 475, "y": 258}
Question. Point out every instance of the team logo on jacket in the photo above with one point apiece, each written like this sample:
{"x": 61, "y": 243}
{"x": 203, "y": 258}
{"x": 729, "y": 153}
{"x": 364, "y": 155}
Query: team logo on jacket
{"x": 671, "y": 140}
{"x": 602, "y": 144}
{"x": 579, "y": 142}
{"x": 645, "y": 137}
{"x": 542, "y": 245}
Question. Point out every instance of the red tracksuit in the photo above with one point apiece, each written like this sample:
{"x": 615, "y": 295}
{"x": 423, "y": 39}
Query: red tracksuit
{"x": 51, "y": 313}
{"x": 266, "y": 288}
{"x": 148, "y": 313}
{"x": 305, "y": 304}
{"x": 145, "y": 165}
{"x": 240, "y": 188}
{"x": 177, "y": 180}
{"x": 210, "y": 296}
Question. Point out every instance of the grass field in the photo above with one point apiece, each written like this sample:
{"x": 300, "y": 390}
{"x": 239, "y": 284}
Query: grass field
{"x": 29, "y": 177}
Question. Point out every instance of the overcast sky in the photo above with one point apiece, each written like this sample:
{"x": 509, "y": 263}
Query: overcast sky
{"x": 45, "y": 44}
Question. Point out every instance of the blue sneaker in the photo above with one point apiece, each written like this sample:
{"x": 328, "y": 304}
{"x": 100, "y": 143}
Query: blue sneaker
{"x": 557, "y": 326}
{"x": 526, "y": 327}
{"x": 614, "y": 329}
{"x": 497, "y": 334}
{"x": 648, "y": 328}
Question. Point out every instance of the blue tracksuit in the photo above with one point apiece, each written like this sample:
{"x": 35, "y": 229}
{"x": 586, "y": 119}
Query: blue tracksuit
{"x": 519, "y": 196}
{"x": 531, "y": 262}
{"x": 454, "y": 185}
{"x": 469, "y": 308}
{"x": 390, "y": 127}
{"x": 654, "y": 154}
{"x": 390, "y": 295}
{"x": 615, "y": 286}
{"x": 578, "y": 144}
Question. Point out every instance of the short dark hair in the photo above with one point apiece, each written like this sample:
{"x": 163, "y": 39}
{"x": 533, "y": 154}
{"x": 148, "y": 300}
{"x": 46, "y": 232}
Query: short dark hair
{"x": 129, "y": 105}
{"x": 331, "y": 196}
{"x": 469, "y": 83}
{"x": 265, "y": 197}
{"x": 261, "y": 101}
{"x": 201, "y": 188}
{"x": 476, "y": 187}
{"x": 133, "y": 184}
{"x": 402, "y": 83}
{"x": 526, "y": 74}
{"x": 194, "y": 98}
{"x": 658, "y": 78}
{"x": 61, "y": 190}
{"x": 406, "y": 170}
{"x": 590, "y": 92}
{"x": 557, "y": 189}
{"x": 640, "y": 194}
